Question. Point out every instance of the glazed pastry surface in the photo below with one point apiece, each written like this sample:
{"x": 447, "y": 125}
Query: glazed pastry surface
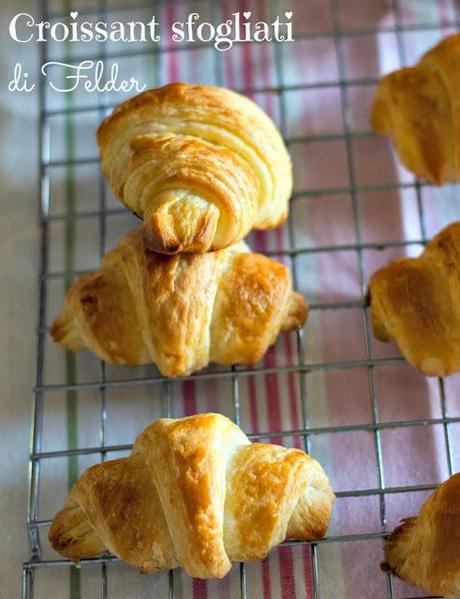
{"x": 179, "y": 312}
{"x": 196, "y": 493}
{"x": 201, "y": 165}
{"x": 419, "y": 107}
{"x": 415, "y": 301}
{"x": 425, "y": 550}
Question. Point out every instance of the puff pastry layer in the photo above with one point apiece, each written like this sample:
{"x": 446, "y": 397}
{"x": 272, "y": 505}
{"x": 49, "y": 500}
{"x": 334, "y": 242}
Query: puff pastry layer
{"x": 179, "y": 312}
{"x": 415, "y": 301}
{"x": 425, "y": 550}
{"x": 419, "y": 107}
{"x": 201, "y": 165}
{"x": 196, "y": 493}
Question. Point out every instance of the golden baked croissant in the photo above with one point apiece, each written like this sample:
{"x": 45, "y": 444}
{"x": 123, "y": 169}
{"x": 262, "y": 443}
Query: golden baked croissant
{"x": 425, "y": 550}
{"x": 180, "y": 312}
{"x": 201, "y": 165}
{"x": 415, "y": 301}
{"x": 196, "y": 493}
{"x": 419, "y": 108}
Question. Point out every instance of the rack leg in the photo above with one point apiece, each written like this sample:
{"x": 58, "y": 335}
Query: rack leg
{"x": 27, "y": 582}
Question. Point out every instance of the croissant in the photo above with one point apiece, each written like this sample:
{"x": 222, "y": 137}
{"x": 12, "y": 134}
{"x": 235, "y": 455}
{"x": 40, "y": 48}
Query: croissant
{"x": 196, "y": 493}
{"x": 179, "y": 312}
{"x": 415, "y": 301}
{"x": 425, "y": 550}
{"x": 419, "y": 108}
{"x": 202, "y": 166}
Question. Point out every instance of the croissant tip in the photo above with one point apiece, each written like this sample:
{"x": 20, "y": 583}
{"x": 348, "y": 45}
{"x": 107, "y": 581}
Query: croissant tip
{"x": 368, "y": 298}
{"x": 297, "y": 313}
{"x": 385, "y": 567}
{"x": 58, "y": 330}
{"x": 161, "y": 245}
{"x": 162, "y": 237}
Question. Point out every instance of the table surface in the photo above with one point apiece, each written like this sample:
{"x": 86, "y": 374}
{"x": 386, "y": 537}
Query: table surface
{"x": 18, "y": 297}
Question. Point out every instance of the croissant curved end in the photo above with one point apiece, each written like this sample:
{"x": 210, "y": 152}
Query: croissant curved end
{"x": 194, "y": 492}
{"x": 297, "y": 312}
{"x": 174, "y": 228}
{"x": 379, "y": 115}
{"x": 424, "y": 549}
{"x": 433, "y": 366}
{"x": 72, "y": 536}
{"x": 66, "y": 334}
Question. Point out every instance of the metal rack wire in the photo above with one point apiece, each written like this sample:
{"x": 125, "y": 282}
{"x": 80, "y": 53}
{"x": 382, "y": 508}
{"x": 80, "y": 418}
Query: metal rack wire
{"x": 299, "y": 367}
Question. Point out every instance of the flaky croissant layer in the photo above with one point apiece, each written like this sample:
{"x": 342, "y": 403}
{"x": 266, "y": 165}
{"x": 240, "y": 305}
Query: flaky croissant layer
{"x": 196, "y": 493}
{"x": 425, "y": 550}
{"x": 415, "y": 301}
{"x": 418, "y": 107}
{"x": 179, "y": 312}
{"x": 201, "y": 165}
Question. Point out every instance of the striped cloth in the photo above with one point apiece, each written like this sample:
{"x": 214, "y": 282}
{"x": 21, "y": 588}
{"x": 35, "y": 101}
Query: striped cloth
{"x": 313, "y": 112}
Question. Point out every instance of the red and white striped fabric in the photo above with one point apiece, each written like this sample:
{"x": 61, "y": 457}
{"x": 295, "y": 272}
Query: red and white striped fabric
{"x": 345, "y": 193}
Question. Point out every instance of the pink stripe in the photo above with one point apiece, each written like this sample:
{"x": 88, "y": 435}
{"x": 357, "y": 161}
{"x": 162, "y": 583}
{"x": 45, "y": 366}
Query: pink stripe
{"x": 229, "y": 79}
{"x": 293, "y": 404}
{"x": 286, "y": 565}
{"x": 173, "y": 66}
{"x": 272, "y": 391}
{"x": 248, "y": 74}
{"x": 266, "y": 74}
{"x": 295, "y": 419}
{"x": 443, "y": 13}
{"x": 248, "y": 78}
{"x": 272, "y": 394}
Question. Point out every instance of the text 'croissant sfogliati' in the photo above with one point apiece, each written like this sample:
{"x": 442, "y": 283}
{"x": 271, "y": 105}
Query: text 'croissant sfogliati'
{"x": 201, "y": 165}
{"x": 179, "y": 312}
{"x": 196, "y": 493}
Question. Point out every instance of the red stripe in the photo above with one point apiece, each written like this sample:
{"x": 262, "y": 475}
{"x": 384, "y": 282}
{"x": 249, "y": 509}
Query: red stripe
{"x": 266, "y": 582}
{"x": 189, "y": 397}
{"x": 272, "y": 390}
{"x": 287, "y": 583}
{"x": 308, "y": 571}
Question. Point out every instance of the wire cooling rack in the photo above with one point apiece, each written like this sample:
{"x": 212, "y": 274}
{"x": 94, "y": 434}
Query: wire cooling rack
{"x": 87, "y": 398}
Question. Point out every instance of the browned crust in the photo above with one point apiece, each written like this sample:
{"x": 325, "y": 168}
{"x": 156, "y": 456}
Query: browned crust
{"x": 222, "y": 148}
{"x": 253, "y": 299}
{"x": 425, "y": 550}
{"x": 415, "y": 302}
{"x": 175, "y": 94}
{"x": 179, "y": 312}
{"x": 171, "y": 498}
{"x": 418, "y": 107}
